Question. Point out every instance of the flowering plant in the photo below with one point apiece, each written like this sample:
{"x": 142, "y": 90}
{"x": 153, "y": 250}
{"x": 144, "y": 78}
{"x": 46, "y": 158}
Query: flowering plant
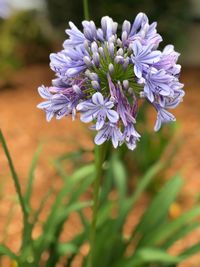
{"x": 104, "y": 77}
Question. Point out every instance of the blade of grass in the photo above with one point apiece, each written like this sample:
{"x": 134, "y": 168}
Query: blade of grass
{"x": 120, "y": 178}
{"x": 144, "y": 181}
{"x": 42, "y": 204}
{"x": 54, "y": 223}
{"x": 159, "y": 208}
{"x": 150, "y": 255}
{"x": 190, "y": 251}
{"x": 15, "y": 178}
{"x": 183, "y": 231}
{"x": 31, "y": 175}
{"x": 6, "y": 251}
{"x": 168, "y": 230}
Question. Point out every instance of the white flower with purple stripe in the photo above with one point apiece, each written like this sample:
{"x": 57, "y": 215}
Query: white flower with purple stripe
{"x": 158, "y": 82}
{"x": 99, "y": 109}
{"x": 109, "y": 131}
{"x": 143, "y": 57}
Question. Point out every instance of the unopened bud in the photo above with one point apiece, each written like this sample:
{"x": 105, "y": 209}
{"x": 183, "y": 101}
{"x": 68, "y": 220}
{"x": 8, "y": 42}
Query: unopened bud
{"x": 120, "y": 52}
{"x": 87, "y": 61}
{"x": 119, "y": 60}
{"x": 96, "y": 59}
{"x": 95, "y": 85}
{"x": 111, "y": 68}
{"x": 94, "y": 47}
{"x": 126, "y": 84}
{"x": 101, "y": 51}
{"x": 111, "y": 49}
{"x": 124, "y": 36}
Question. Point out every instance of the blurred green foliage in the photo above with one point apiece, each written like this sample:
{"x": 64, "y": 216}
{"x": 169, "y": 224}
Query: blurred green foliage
{"x": 172, "y": 16}
{"x": 23, "y": 41}
{"x": 147, "y": 243}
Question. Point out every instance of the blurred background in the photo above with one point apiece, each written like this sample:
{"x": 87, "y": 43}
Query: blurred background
{"x": 29, "y": 31}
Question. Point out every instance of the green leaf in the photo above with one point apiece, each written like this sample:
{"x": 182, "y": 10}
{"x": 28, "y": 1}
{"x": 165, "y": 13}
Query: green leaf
{"x": 180, "y": 233}
{"x": 168, "y": 230}
{"x": 157, "y": 212}
{"x": 120, "y": 178}
{"x": 104, "y": 213}
{"x": 41, "y": 206}
{"x": 31, "y": 175}
{"x": 64, "y": 204}
{"x": 151, "y": 255}
{"x": 144, "y": 181}
{"x": 148, "y": 255}
{"x": 6, "y": 251}
{"x": 65, "y": 212}
{"x": 190, "y": 251}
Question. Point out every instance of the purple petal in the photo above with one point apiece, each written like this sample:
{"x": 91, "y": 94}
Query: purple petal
{"x": 112, "y": 116}
{"x": 97, "y": 99}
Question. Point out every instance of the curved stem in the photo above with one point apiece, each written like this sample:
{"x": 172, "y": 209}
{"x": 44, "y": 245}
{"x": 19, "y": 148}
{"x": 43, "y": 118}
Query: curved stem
{"x": 99, "y": 159}
{"x": 86, "y": 9}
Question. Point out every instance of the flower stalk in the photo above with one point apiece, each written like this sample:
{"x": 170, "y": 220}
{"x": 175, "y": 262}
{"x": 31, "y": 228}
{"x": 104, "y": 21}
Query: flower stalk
{"x": 100, "y": 153}
{"x": 86, "y": 9}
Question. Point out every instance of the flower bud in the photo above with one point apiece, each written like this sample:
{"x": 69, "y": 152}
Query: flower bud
{"x": 96, "y": 59}
{"x": 87, "y": 61}
{"x": 111, "y": 49}
{"x": 126, "y": 84}
{"x": 119, "y": 60}
{"x": 95, "y": 85}
{"x": 126, "y": 26}
{"x": 94, "y": 47}
{"x": 111, "y": 68}
{"x": 124, "y": 36}
{"x": 101, "y": 51}
{"x": 120, "y": 52}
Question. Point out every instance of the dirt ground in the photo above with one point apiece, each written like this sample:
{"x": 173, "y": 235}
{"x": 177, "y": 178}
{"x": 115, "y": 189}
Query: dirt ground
{"x": 24, "y": 127}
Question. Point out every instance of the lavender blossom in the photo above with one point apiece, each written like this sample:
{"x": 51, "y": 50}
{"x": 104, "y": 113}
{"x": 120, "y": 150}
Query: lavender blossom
{"x": 99, "y": 109}
{"x": 143, "y": 57}
{"x": 109, "y": 131}
{"x": 103, "y": 76}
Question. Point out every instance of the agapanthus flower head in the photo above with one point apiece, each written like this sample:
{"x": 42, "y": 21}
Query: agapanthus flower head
{"x": 103, "y": 76}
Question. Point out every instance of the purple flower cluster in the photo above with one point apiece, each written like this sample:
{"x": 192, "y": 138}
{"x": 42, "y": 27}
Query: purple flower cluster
{"x": 4, "y": 9}
{"x": 103, "y": 76}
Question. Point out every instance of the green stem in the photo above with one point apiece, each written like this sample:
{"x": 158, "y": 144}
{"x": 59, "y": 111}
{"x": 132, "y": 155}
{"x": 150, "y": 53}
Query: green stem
{"x": 99, "y": 159}
{"x": 86, "y": 9}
